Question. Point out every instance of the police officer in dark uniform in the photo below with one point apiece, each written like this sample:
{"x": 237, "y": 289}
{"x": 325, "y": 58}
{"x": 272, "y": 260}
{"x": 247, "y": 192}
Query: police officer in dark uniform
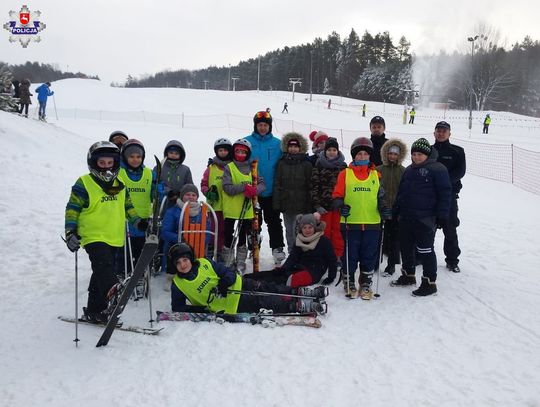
{"x": 453, "y": 158}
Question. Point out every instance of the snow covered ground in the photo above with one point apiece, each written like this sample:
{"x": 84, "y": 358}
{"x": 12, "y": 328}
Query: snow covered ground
{"x": 477, "y": 343}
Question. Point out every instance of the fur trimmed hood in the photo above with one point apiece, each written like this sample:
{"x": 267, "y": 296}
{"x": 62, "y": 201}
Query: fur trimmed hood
{"x": 293, "y": 135}
{"x": 394, "y": 142}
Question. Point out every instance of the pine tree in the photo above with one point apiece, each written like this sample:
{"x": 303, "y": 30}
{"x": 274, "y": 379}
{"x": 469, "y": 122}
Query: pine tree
{"x": 7, "y": 102}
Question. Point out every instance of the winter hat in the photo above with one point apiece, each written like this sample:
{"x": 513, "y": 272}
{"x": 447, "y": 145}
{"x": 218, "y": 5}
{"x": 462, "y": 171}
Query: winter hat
{"x": 307, "y": 219}
{"x": 377, "y": 119}
{"x": 188, "y": 188}
{"x": 293, "y": 142}
{"x": 421, "y": 146}
{"x": 331, "y": 142}
{"x": 442, "y": 125}
{"x": 223, "y": 143}
{"x": 181, "y": 250}
{"x": 262, "y": 117}
{"x": 318, "y": 136}
{"x": 361, "y": 144}
{"x": 132, "y": 149}
{"x": 394, "y": 149}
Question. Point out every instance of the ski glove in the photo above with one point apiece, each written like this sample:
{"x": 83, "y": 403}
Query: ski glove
{"x": 321, "y": 210}
{"x": 386, "y": 213}
{"x": 222, "y": 288}
{"x": 250, "y": 191}
{"x": 441, "y": 223}
{"x": 73, "y": 241}
{"x": 212, "y": 194}
{"x": 345, "y": 211}
{"x": 142, "y": 225}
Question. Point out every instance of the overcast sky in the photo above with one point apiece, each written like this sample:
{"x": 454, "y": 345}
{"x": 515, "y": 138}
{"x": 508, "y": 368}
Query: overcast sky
{"x": 115, "y": 38}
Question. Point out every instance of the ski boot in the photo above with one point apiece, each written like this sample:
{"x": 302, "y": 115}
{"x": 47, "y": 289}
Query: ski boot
{"x": 426, "y": 288}
{"x": 366, "y": 293}
{"x": 98, "y": 318}
{"x": 350, "y": 288}
{"x": 306, "y": 305}
{"x": 404, "y": 280}
{"x": 113, "y": 296}
{"x": 139, "y": 289}
{"x": 317, "y": 292}
{"x": 454, "y": 268}
{"x": 241, "y": 256}
{"x": 279, "y": 255}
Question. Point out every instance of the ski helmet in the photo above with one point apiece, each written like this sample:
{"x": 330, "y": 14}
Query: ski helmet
{"x": 180, "y": 250}
{"x": 118, "y": 133}
{"x": 223, "y": 143}
{"x": 246, "y": 144}
{"x": 99, "y": 150}
{"x": 129, "y": 147}
{"x": 262, "y": 117}
{"x": 359, "y": 144}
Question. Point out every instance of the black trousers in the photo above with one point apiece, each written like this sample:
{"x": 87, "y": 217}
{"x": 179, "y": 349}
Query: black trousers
{"x": 451, "y": 244}
{"x": 230, "y": 225}
{"x": 485, "y": 130}
{"x": 391, "y": 241}
{"x": 254, "y": 303}
{"x": 273, "y": 222}
{"x": 103, "y": 274}
{"x": 24, "y": 106}
{"x": 416, "y": 238}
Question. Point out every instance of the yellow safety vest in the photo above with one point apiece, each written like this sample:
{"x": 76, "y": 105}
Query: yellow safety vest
{"x": 361, "y": 196}
{"x": 139, "y": 191}
{"x": 215, "y": 177}
{"x": 198, "y": 290}
{"x": 104, "y": 219}
{"x": 232, "y": 205}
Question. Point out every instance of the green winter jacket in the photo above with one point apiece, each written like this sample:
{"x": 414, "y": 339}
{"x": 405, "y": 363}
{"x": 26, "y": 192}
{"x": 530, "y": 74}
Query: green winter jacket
{"x": 391, "y": 173}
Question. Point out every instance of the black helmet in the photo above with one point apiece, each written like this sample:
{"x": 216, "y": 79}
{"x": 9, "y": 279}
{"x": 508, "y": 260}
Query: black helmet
{"x": 180, "y": 250}
{"x": 118, "y": 133}
{"x": 103, "y": 149}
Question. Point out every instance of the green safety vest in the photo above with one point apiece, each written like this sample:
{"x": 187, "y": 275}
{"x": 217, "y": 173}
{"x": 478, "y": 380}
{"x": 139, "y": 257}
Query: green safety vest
{"x": 139, "y": 191}
{"x": 232, "y": 205}
{"x": 412, "y": 112}
{"x": 488, "y": 120}
{"x": 198, "y": 290}
{"x": 361, "y": 196}
{"x": 215, "y": 177}
{"x": 104, "y": 219}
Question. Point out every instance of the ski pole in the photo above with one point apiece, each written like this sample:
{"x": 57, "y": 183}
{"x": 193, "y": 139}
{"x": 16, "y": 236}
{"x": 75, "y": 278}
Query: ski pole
{"x": 76, "y": 340}
{"x": 55, "y": 111}
{"x": 348, "y": 277}
{"x": 380, "y": 259}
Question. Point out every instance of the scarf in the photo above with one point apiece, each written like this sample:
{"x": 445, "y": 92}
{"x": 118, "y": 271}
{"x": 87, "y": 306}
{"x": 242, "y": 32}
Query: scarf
{"x": 308, "y": 242}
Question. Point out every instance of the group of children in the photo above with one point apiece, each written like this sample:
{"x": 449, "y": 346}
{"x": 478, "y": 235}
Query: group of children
{"x": 333, "y": 215}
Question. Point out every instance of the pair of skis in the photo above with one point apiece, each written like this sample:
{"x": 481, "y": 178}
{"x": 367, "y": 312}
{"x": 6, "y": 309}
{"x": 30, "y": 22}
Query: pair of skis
{"x": 263, "y": 318}
{"x": 147, "y": 255}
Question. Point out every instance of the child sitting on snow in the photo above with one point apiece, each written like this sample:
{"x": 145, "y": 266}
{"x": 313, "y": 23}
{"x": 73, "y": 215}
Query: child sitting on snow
{"x": 310, "y": 258}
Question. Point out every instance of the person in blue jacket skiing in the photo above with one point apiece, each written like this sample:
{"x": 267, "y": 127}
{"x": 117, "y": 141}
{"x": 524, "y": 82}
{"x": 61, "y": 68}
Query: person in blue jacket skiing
{"x": 267, "y": 150}
{"x": 43, "y": 92}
